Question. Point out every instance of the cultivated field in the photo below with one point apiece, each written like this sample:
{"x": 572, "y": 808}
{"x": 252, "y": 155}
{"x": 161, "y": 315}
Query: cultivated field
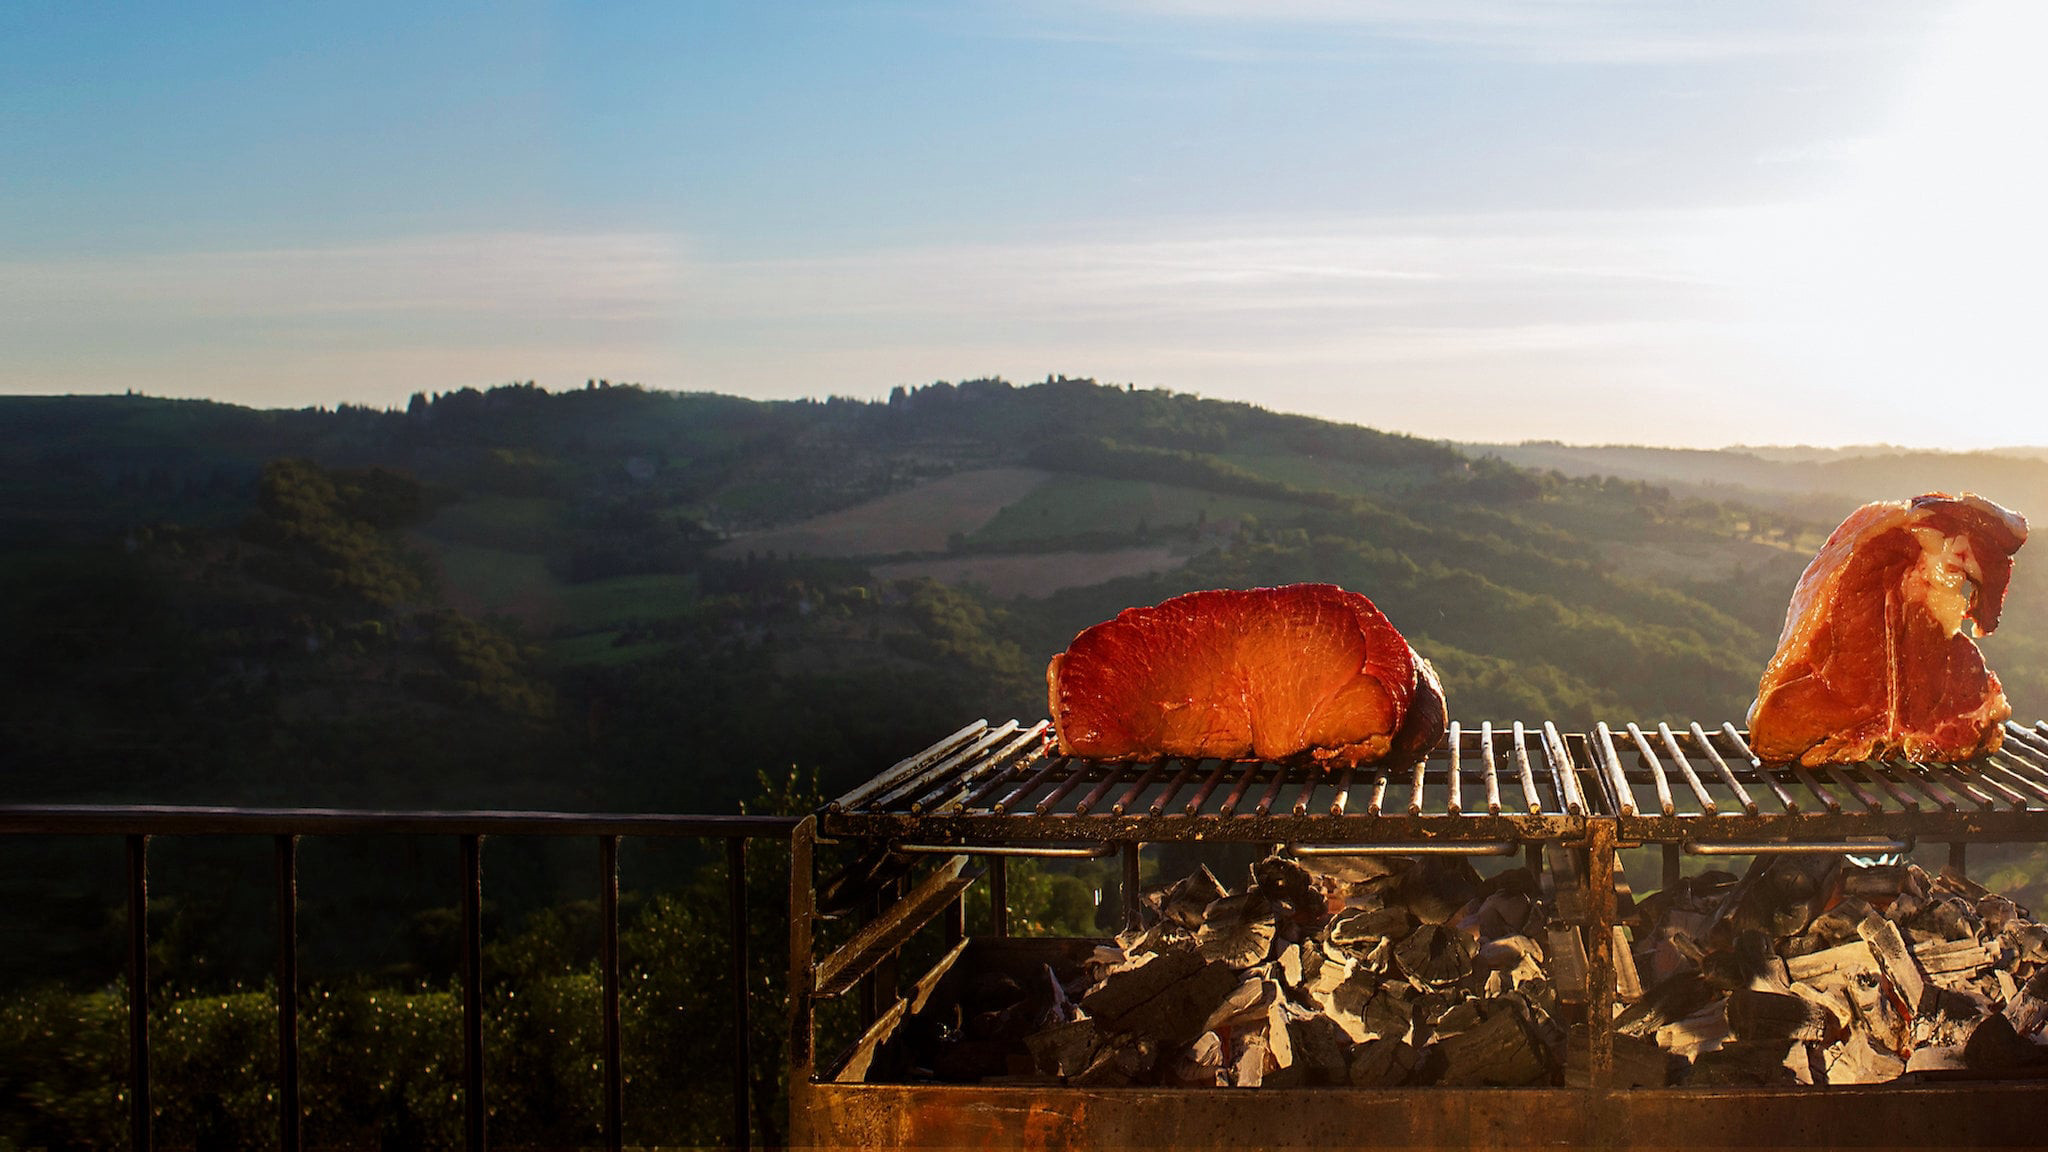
{"x": 1036, "y": 573}
{"x": 921, "y": 519}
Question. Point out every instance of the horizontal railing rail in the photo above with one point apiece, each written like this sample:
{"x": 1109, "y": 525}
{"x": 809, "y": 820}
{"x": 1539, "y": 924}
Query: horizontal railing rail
{"x": 137, "y": 823}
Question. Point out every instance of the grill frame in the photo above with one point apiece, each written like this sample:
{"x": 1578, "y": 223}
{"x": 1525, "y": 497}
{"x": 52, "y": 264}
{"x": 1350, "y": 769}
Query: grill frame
{"x": 946, "y": 798}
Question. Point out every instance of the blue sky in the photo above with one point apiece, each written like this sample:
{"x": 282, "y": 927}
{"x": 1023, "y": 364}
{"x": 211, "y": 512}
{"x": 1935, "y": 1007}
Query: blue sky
{"x": 1576, "y": 219}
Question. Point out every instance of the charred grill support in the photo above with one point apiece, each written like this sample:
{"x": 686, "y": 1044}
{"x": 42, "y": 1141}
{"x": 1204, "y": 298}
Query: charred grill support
{"x": 1692, "y": 789}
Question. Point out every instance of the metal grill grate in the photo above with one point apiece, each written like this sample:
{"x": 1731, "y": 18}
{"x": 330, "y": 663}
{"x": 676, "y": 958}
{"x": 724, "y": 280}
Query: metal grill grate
{"x": 1670, "y": 784}
{"x": 1006, "y": 784}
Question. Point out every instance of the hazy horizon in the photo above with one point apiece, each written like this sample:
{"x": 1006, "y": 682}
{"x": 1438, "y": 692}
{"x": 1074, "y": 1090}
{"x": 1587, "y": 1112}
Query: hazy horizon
{"x": 1481, "y": 221}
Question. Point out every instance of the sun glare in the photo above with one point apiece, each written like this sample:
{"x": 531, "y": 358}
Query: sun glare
{"x": 1921, "y": 275}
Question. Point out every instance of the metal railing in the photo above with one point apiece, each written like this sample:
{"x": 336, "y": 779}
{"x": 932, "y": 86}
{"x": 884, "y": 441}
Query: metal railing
{"x": 138, "y": 823}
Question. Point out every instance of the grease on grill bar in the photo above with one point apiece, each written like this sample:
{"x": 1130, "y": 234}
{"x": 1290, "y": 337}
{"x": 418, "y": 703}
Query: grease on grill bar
{"x": 1671, "y": 783}
{"x": 1006, "y": 783}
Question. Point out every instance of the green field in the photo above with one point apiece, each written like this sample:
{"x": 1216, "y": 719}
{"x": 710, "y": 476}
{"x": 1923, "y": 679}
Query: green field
{"x": 1069, "y": 505}
{"x": 516, "y": 523}
{"x": 621, "y": 598}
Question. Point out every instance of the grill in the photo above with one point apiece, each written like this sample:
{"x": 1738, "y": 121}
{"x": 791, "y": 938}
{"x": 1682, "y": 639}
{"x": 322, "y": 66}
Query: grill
{"x": 1002, "y": 790}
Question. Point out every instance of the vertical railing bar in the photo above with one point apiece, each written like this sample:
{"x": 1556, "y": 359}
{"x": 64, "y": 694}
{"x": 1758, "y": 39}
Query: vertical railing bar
{"x": 1706, "y": 744}
{"x": 1130, "y": 885}
{"x": 999, "y": 897}
{"x": 289, "y": 1131}
{"x": 139, "y": 1133}
{"x": 608, "y": 960}
{"x": 472, "y": 992}
{"x": 736, "y": 899}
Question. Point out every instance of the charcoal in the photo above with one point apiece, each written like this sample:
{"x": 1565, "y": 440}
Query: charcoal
{"x": 1359, "y": 930}
{"x": 1288, "y": 964}
{"x": 1189, "y": 897}
{"x": 1322, "y": 1050}
{"x": 1673, "y": 999}
{"x": 1120, "y": 1062}
{"x": 1247, "y": 1002}
{"x": 1065, "y": 1050}
{"x": 1757, "y": 965}
{"x": 1995, "y": 1047}
{"x": 1177, "y": 1015}
{"x": 1945, "y": 918}
{"x": 1124, "y": 990}
{"x": 1568, "y": 963}
{"x": 1896, "y": 962}
{"x": 1289, "y": 887}
{"x": 1837, "y": 925}
{"x": 2028, "y": 941}
{"x": 1754, "y": 1014}
{"x": 1200, "y": 1064}
{"x": 1497, "y": 1050}
{"x": 1438, "y": 886}
{"x": 1743, "y": 1063}
{"x": 1881, "y": 883}
{"x": 1383, "y": 1063}
{"x": 1434, "y": 954}
{"x": 1237, "y": 930}
{"x": 1703, "y": 1031}
{"x": 1994, "y": 912}
{"x": 1388, "y": 1014}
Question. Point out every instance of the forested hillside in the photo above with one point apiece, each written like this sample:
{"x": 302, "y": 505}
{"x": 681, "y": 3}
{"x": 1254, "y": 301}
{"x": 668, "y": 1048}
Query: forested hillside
{"x": 621, "y": 599}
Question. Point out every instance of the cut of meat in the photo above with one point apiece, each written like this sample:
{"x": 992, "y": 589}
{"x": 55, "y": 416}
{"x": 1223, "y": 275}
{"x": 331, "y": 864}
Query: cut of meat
{"x": 1268, "y": 672}
{"x": 1874, "y": 660}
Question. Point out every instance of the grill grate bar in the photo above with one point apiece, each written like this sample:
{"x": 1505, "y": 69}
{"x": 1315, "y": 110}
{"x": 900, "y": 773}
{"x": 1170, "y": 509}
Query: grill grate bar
{"x": 1955, "y": 780}
{"x": 1151, "y": 773}
{"x": 1066, "y": 786}
{"x": 1180, "y": 778}
{"x": 910, "y": 765}
{"x": 1785, "y": 799}
{"x": 920, "y": 781}
{"x": 1527, "y": 775}
{"x": 1343, "y": 792}
{"x": 1692, "y": 778}
{"x": 1492, "y": 774}
{"x": 1992, "y": 782}
{"x": 1706, "y": 745}
{"x": 1804, "y": 775}
{"x": 2027, "y": 747}
{"x": 1379, "y": 796}
{"x": 1415, "y": 783}
{"x": 1208, "y": 786}
{"x": 1665, "y": 804}
{"x": 1841, "y": 776}
{"x": 1884, "y": 772}
{"x": 1563, "y": 776}
{"x": 1265, "y": 803}
{"x": 1237, "y": 790}
{"x": 1455, "y": 798}
{"x": 1021, "y": 770}
{"x": 1007, "y": 803}
{"x": 1110, "y": 775}
{"x": 1617, "y": 780}
{"x": 2009, "y": 766}
{"x": 1919, "y": 777}
{"x": 953, "y": 795}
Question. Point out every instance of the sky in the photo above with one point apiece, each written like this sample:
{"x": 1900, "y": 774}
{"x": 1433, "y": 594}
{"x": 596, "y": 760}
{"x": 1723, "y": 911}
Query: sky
{"x": 1584, "y": 220}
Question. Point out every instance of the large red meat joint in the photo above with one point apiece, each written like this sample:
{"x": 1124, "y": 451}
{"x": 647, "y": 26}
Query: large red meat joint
{"x": 1266, "y": 672}
{"x": 1874, "y": 659}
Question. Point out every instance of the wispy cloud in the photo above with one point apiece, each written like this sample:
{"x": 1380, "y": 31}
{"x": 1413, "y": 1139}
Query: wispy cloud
{"x": 1580, "y": 31}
